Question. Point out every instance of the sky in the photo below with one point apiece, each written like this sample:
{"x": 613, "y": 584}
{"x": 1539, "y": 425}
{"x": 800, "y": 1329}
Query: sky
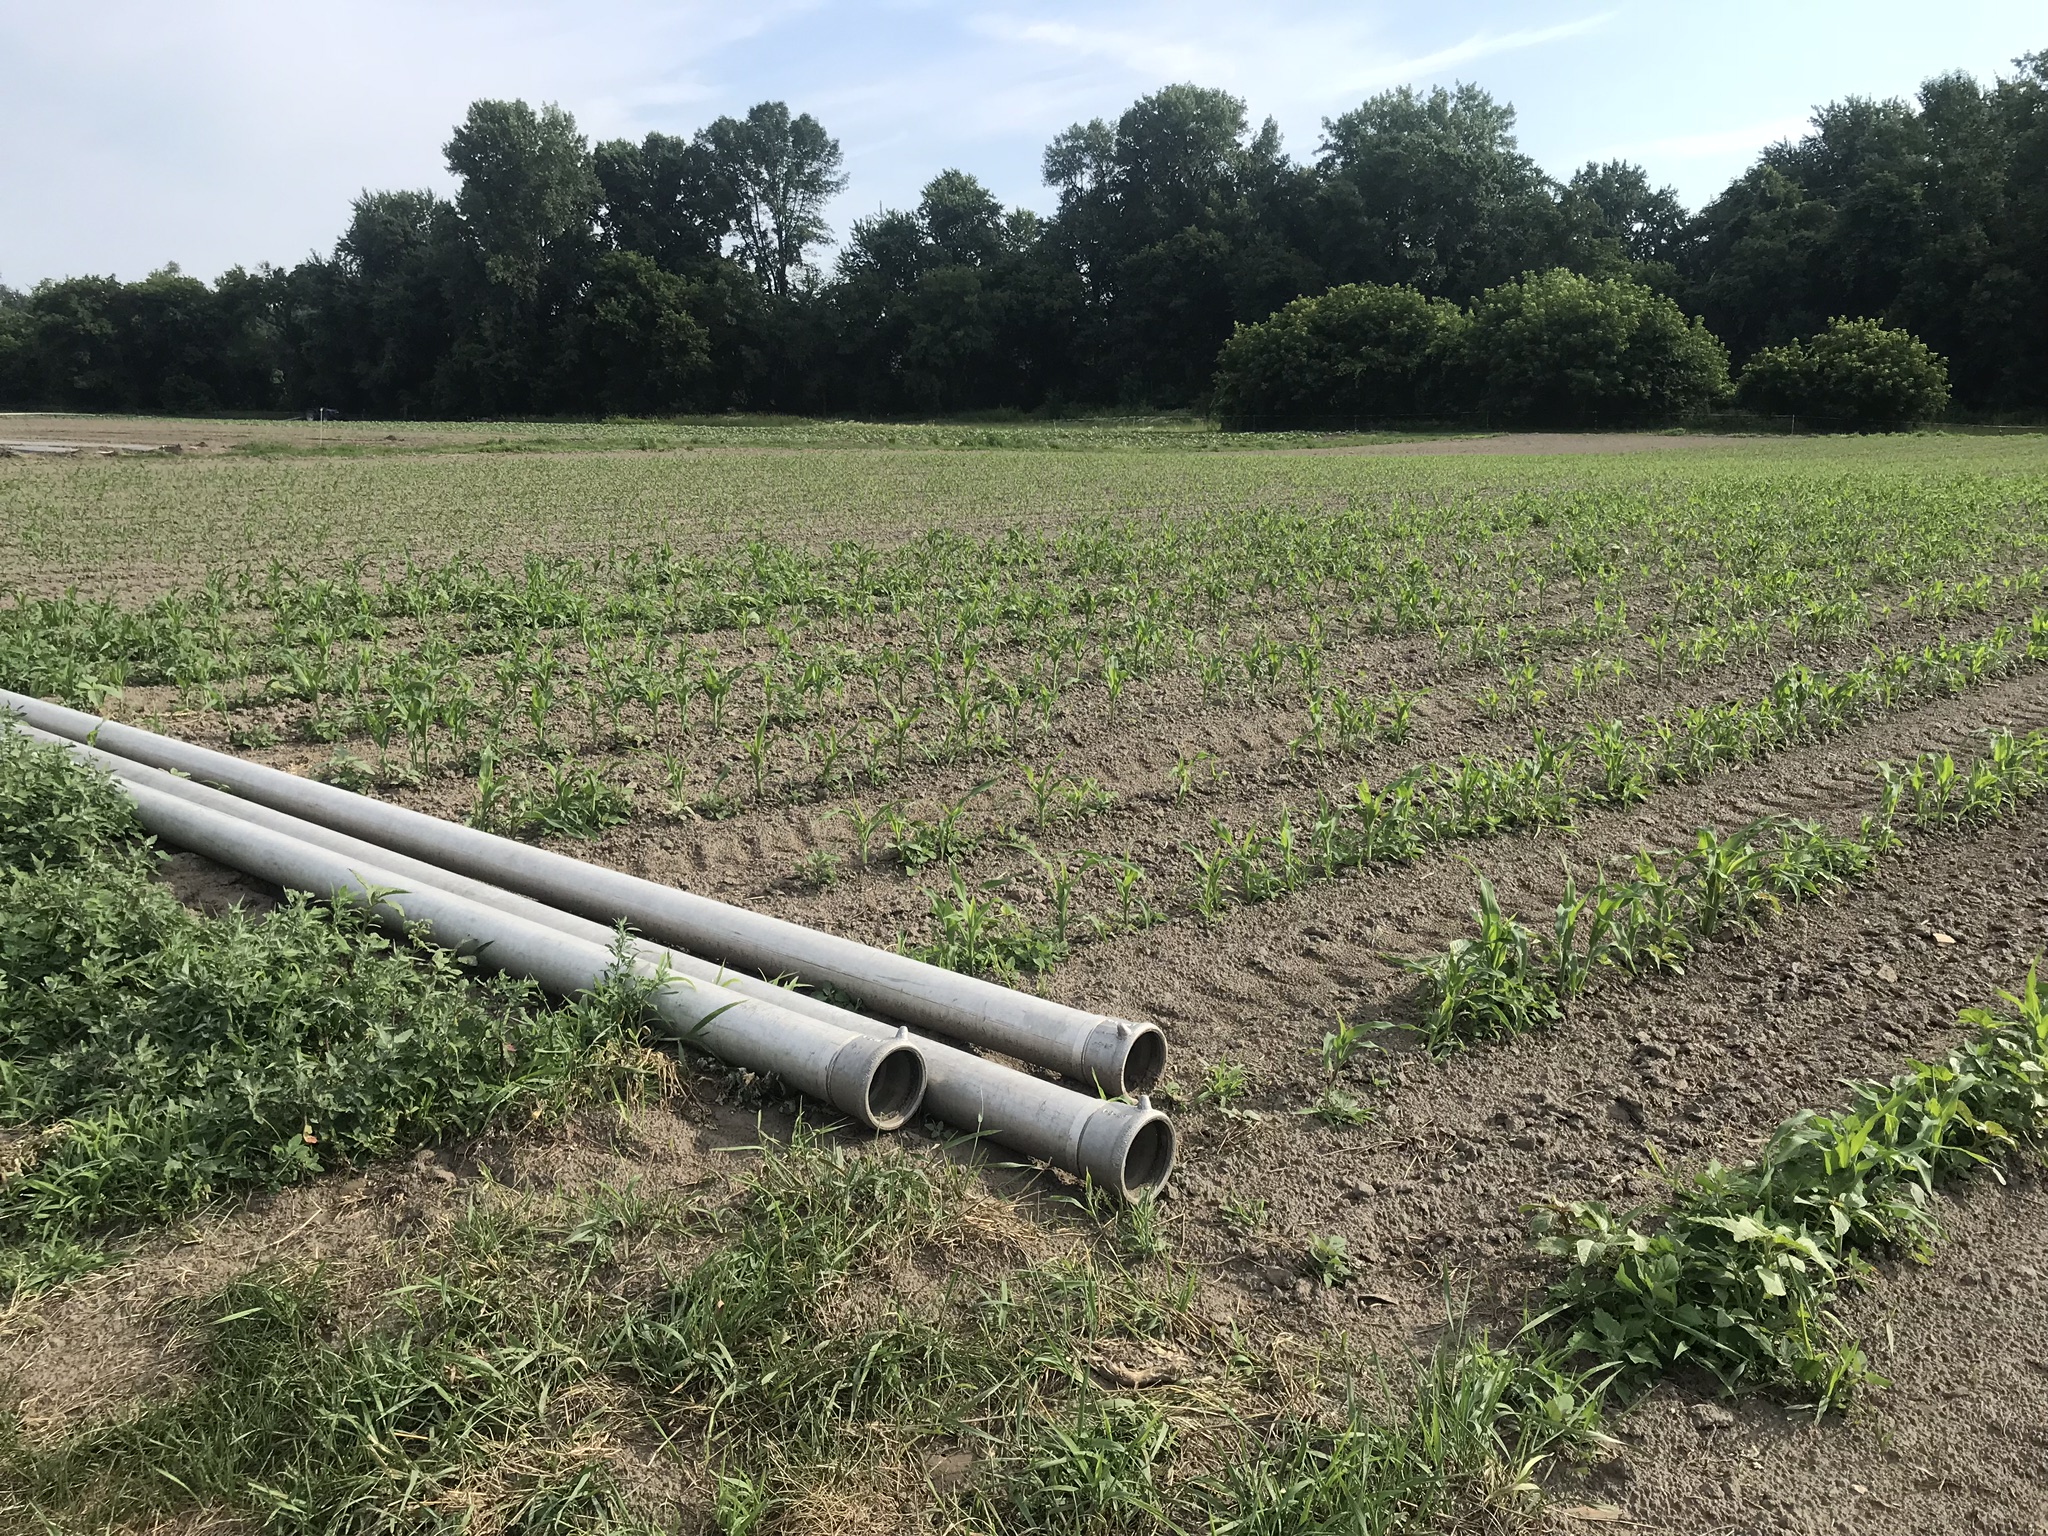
{"x": 216, "y": 133}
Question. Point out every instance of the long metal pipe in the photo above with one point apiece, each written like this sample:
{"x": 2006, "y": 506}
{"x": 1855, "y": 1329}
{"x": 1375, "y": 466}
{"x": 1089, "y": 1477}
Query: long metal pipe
{"x": 1116, "y": 1056}
{"x": 1127, "y": 1148}
{"x": 878, "y": 1082}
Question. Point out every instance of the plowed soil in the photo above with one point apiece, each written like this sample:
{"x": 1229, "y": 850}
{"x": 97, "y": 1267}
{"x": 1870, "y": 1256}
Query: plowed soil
{"x": 1433, "y": 1193}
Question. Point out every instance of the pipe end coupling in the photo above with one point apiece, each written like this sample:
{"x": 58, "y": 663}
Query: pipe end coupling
{"x": 880, "y": 1083}
{"x": 1121, "y": 1056}
{"x": 1129, "y": 1148}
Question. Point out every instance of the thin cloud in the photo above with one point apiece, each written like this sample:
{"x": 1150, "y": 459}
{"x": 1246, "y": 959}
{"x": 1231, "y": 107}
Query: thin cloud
{"x": 1483, "y": 45}
{"x": 1717, "y": 144}
{"x": 1316, "y": 57}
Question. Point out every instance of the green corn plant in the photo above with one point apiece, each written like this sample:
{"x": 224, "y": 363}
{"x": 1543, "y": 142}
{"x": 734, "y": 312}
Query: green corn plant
{"x": 1623, "y": 773}
{"x": 717, "y": 686}
{"x": 1721, "y": 881}
{"x": 828, "y": 745}
{"x": 1340, "y": 1045}
{"x": 1212, "y": 868}
{"x": 1129, "y": 876}
{"x": 490, "y": 790}
{"x": 755, "y": 749}
{"x": 675, "y": 768}
{"x": 863, "y": 823}
{"x": 900, "y": 724}
{"x": 1061, "y": 876}
{"x": 1487, "y": 987}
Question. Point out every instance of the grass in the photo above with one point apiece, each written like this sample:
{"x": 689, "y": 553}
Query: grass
{"x": 790, "y": 1357}
{"x": 164, "y": 1060}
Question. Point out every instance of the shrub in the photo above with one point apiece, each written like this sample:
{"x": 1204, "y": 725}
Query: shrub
{"x": 1856, "y": 374}
{"x": 1558, "y": 349}
{"x": 1357, "y": 352}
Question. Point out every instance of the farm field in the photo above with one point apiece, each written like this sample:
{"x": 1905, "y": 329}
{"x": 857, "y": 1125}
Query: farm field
{"x": 1509, "y": 843}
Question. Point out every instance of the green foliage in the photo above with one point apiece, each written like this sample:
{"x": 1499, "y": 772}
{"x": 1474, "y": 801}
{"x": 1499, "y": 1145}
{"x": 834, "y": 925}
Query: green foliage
{"x": 1328, "y": 1259}
{"x": 650, "y": 350}
{"x": 1559, "y": 349}
{"x": 1483, "y": 1423}
{"x": 678, "y": 272}
{"x": 1477, "y": 797}
{"x": 57, "y": 815}
{"x": 165, "y": 1059}
{"x": 1738, "y": 1272}
{"x": 1507, "y": 979}
{"x": 981, "y": 934}
{"x": 1356, "y": 353}
{"x": 1935, "y": 792}
{"x": 490, "y": 1384}
{"x": 1856, "y": 375}
{"x": 573, "y": 801}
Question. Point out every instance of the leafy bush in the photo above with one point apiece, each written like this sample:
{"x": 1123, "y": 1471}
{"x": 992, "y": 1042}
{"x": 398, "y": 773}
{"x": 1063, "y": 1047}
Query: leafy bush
{"x": 1357, "y": 352}
{"x": 1558, "y": 349}
{"x": 1855, "y": 374}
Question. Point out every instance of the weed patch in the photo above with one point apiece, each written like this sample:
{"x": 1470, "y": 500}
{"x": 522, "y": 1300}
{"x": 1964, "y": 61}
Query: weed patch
{"x": 167, "y": 1059}
{"x": 1739, "y": 1271}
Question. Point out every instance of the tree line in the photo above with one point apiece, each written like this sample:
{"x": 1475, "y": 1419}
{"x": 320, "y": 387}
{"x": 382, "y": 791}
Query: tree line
{"x": 679, "y": 274}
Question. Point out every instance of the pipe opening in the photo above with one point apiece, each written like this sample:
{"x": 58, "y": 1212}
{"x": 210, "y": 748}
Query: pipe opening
{"x": 1145, "y": 1062}
{"x": 896, "y": 1088}
{"x": 1149, "y": 1158}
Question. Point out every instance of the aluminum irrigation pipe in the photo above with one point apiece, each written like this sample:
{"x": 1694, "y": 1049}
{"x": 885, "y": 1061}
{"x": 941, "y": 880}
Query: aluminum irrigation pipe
{"x": 1117, "y": 1056}
{"x": 1128, "y": 1148}
{"x": 878, "y": 1082}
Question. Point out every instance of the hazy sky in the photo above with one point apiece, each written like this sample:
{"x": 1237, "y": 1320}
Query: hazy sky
{"x": 216, "y": 132}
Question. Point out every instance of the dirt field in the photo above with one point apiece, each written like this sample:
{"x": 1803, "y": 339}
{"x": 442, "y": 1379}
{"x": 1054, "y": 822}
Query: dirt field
{"x": 1603, "y": 578}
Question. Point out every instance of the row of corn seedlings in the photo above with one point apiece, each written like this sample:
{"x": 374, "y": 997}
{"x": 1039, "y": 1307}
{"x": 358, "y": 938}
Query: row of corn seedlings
{"x": 1506, "y": 978}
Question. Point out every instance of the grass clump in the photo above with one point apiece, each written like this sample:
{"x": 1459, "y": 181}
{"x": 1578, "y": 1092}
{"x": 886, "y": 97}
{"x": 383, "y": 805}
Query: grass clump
{"x": 160, "y": 1059}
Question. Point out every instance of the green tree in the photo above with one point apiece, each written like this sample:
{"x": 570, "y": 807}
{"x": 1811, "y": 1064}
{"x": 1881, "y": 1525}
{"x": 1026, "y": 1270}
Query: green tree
{"x": 1930, "y": 215}
{"x": 15, "y": 386}
{"x": 663, "y": 198}
{"x": 647, "y": 351}
{"x": 525, "y": 235}
{"x": 528, "y": 195}
{"x": 1179, "y": 220}
{"x": 1559, "y": 349}
{"x": 1649, "y": 225}
{"x": 1433, "y": 192}
{"x": 775, "y": 174}
{"x": 1357, "y": 353}
{"x": 1855, "y": 374}
{"x": 940, "y": 307}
